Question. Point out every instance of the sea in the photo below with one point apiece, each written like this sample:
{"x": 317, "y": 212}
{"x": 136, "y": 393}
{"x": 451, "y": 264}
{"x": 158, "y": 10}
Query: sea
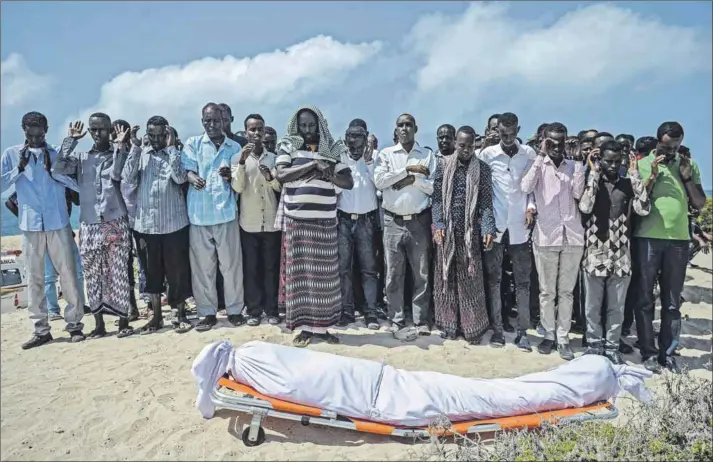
{"x": 9, "y": 221}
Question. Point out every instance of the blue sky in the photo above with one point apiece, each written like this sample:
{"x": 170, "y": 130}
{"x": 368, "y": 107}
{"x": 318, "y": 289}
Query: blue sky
{"x": 619, "y": 67}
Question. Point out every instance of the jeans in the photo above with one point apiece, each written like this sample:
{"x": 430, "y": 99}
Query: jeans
{"x": 670, "y": 257}
{"x": 558, "y": 269}
{"x": 51, "y": 276}
{"x": 521, "y": 267}
{"x": 356, "y": 239}
{"x": 408, "y": 241}
{"x": 613, "y": 289}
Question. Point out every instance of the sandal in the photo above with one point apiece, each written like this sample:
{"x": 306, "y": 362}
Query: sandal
{"x": 97, "y": 333}
{"x": 151, "y": 327}
{"x": 302, "y": 339}
{"x": 237, "y": 319}
{"x": 253, "y": 321}
{"x": 273, "y": 320}
{"x": 206, "y": 324}
{"x": 329, "y": 338}
{"x": 125, "y": 332}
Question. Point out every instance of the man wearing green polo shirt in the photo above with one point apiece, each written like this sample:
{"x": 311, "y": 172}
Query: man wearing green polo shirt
{"x": 661, "y": 243}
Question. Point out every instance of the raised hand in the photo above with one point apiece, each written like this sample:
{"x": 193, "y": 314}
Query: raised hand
{"x": 633, "y": 163}
{"x": 195, "y": 180}
{"x": 121, "y": 134}
{"x": 592, "y": 160}
{"x": 655, "y": 165}
{"x": 685, "y": 168}
{"x": 24, "y": 157}
{"x": 135, "y": 136}
{"x": 76, "y": 131}
{"x": 247, "y": 150}
{"x": 170, "y": 138}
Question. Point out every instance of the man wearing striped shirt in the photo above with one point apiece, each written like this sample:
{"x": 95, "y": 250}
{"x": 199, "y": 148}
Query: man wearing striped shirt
{"x": 212, "y": 212}
{"x": 161, "y": 220}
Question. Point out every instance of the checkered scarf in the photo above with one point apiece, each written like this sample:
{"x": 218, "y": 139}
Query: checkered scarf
{"x": 327, "y": 146}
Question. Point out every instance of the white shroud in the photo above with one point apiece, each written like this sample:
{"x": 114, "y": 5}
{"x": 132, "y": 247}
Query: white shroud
{"x": 378, "y": 392}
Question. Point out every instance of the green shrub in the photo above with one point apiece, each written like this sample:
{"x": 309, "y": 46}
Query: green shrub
{"x": 705, "y": 219}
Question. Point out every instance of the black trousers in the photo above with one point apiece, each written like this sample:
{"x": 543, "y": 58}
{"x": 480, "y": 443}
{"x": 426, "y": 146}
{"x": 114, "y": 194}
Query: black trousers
{"x": 261, "y": 271}
{"x": 164, "y": 257}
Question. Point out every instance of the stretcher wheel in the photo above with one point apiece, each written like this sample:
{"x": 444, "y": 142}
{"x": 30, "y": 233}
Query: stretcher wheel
{"x": 260, "y": 437}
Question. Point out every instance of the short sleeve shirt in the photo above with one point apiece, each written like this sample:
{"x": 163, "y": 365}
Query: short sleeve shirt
{"x": 669, "y": 201}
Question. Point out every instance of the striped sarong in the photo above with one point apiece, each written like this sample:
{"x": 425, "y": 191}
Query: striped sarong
{"x": 312, "y": 291}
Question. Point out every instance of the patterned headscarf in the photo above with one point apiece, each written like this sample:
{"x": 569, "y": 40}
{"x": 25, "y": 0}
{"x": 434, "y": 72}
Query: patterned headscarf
{"x": 327, "y": 146}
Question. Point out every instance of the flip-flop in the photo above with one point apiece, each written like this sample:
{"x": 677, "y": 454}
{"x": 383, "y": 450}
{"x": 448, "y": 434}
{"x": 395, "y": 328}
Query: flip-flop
{"x": 203, "y": 326}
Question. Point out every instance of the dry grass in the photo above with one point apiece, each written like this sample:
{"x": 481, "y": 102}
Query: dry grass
{"x": 676, "y": 425}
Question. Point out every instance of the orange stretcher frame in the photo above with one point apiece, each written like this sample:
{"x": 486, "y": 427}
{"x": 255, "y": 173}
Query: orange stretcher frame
{"x": 243, "y": 398}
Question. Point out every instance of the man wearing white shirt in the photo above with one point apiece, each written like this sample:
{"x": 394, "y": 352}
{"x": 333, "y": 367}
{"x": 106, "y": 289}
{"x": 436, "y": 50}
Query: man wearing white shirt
{"x": 514, "y": 211}
{"x": 357, "y": 210}
{"x": 405, "y": 173}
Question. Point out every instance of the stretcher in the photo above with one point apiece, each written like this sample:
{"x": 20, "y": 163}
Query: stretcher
{"x": 232, "y": 395}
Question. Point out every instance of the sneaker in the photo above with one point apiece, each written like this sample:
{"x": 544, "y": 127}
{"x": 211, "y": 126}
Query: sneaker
{"x": 545, "y": 347}
{"x": 615, "y": 357}
{"x": 625, "y": 348}
{"x": 523, "y": 343}
{"x": 565, "y": 351}
{"x": 541, "y": 330}
{"x": 652, "y": 364}
{"x": 497, "y": 340}
{"x": 37, "y": 340}
{"x": 671, "y": 365}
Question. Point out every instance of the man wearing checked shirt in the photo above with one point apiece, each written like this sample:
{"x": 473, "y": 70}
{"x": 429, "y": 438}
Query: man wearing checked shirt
{"x": 212, "y": 212}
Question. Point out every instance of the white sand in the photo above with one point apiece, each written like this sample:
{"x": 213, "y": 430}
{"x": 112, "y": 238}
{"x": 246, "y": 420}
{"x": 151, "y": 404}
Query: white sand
{"x": 133, "y": 398}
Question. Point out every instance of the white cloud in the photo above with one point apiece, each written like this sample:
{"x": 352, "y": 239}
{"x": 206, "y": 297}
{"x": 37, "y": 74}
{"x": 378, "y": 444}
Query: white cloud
{"x": 20, "y": 85}
{"x": 268, "y": 82}
{"x": 588, "y": 50}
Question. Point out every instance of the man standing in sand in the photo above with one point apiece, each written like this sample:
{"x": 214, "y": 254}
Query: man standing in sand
{"x": 44, "y": 223}
{"x": 212, "y": 212}
{"x": 161, "y": 221}
{"x": 104, "y": 234}
{"x": 253, "y": 179}
{"x": 404, "y": 173}
{"x": 558, "y": 238}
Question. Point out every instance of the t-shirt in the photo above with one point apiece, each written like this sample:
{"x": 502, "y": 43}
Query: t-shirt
{"x": 669, "y": 201}
{"x": 309, "y": 199}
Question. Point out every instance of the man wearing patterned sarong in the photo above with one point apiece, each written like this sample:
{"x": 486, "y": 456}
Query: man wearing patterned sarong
{"x": 462, "y": 219}
{"x": 309, "y": 167}
{"x": 104, "y": 234}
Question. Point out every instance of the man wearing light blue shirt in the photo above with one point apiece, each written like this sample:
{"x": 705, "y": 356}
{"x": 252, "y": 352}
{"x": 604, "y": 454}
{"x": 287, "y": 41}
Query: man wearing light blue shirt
{"x": 44, "y": 223}
{"x": 212, "y": 212}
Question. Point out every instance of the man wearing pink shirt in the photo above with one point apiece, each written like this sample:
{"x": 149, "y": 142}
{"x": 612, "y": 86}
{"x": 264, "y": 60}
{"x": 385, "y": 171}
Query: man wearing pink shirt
{"x": 558, "y": 237}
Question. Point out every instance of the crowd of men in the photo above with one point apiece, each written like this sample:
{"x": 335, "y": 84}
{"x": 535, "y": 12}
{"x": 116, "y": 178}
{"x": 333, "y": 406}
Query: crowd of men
{"x": 318, "y": 230}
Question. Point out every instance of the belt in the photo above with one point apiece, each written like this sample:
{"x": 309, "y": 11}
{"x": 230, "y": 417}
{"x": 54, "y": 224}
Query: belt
{"x": 408, "y": 217}
{"x": 355, "y": 216}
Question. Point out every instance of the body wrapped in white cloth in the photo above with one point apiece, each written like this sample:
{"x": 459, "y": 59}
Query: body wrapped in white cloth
{"x": 378, "y": 392}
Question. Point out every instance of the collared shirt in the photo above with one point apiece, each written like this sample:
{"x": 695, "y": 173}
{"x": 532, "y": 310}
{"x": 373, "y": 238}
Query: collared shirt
{"x": 556, "y": 191}
{"x": 361, "y": 199}
{"x": 41, "y": 199}
{"x": 258, "y": 197}
{"x": 606, "y": 209}
{"x": 216, "y": 203}
{"x": 390, "y": 168}
{"x": 158, "y": 176}
{"x": 312, "y": 199}
{"x": 669, "y": 210}
{"x": 99, "y": 178}
{"x": 510, "y": 203}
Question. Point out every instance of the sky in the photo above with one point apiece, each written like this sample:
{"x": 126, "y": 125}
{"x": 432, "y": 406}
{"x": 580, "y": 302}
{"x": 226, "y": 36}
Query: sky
{"x": 621, "y": 67}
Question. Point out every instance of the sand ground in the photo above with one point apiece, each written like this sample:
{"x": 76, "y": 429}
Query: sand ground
{"x": 133, "y": 398}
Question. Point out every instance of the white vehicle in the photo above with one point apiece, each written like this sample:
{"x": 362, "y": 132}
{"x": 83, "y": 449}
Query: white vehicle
{"x": 12, "y": 276}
